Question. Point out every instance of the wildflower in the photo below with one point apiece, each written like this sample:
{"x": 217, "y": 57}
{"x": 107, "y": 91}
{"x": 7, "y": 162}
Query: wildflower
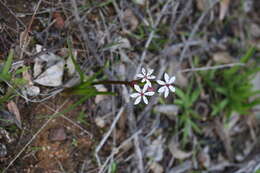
{"x": 167, "y": 85}
{"x": 141, "y": 94}
{"x": 146, "y": 76}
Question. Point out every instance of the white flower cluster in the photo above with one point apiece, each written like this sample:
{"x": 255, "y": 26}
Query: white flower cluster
{"x": 147, "y": 90}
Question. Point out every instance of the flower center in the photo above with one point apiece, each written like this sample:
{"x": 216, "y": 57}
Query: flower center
{"x": 142, "y": 94}
{"x": 167, "y": 85}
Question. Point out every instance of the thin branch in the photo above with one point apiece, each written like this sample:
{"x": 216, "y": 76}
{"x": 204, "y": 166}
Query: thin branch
{"x": 107, "y": 135}
{"x": 211, "y": 67}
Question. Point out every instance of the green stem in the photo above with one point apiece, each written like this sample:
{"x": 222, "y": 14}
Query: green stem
{"x": 130, "y": 83}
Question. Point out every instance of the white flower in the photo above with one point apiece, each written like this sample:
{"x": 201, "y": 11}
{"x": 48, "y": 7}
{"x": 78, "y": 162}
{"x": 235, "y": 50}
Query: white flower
{"x": 146, "y": 76}
{"x": 141, "y": 94}
{"x": 167, "y": 85}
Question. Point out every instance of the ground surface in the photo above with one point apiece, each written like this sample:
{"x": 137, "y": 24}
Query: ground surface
{"x": 109, "y": 133}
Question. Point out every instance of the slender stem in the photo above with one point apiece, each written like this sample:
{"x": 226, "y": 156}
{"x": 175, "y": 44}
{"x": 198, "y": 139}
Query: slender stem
{"x": 130, "y": 83}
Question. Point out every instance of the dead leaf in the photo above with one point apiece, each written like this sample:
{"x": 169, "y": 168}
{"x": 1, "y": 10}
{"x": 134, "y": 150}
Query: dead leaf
{"x": 121, "y": 43}
{"x": 181, "y": 79}
{"x": 156, "y": 167}
{"x": 203, "y": 5}
{"x": 52, "y": 76}
{"x": 27, "y": 76}
{"x": 59, "y": 21}
{"x": 223, "y": 134}
{"x": 170, "y": 110}
{"x": 37, "y": 68}
{"x": 3, "y": 150}
{"x": 224, "y": 4}
{"x": 70, "y": 65}
{"x": 204, "y": 158}
{"x": 130, "y": 19}
{"x": 222, "y": 57}
{"x": 24, "y": 39}
{"x": 155, "y": 149}
{"x": 12, "y": 107}
{"x": 176, "y": 152}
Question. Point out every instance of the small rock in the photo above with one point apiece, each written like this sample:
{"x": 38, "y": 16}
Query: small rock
{"x": 3, "y": 150}
{"x": 33, "y": 90}
{"x": 57, "y": 134}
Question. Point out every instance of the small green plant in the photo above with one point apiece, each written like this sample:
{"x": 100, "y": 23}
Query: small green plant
{"x": 257, "y": 171}
{"x": 113, "y": 167}
{"x": 10, "y": 81}
{"x": 81, "y": 118}
{"x": 185, "y": 100}
{"x": 231, "y": 89}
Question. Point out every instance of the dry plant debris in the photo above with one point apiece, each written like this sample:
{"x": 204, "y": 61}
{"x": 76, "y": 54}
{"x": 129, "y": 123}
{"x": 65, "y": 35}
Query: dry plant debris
{"x": 58, "y": 57}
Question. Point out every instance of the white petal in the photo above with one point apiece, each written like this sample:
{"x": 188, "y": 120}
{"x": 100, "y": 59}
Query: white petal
{"x": 140, "y": 75}
{"x": 145, "y": 100}
{"x": 137, "y": 88}
{"x": 166, "y": 92}
{"x": 160, "y": 82}
{"x": 143, "y": 80}
{"x": 162, "y": 89}
{"x": 143, "y": 71}
{"x": 172, "y": 88}
{"x": 149, "y": 93}
{"x": 148, "y": 83}
{"x": 134, "y": 95}
{"x": 145, "y": 87}
{"x": 166, "y": 77}
{"x": 151, "y": 77}
{"x": 150, "y": 71}
{"x": 138, "y": 99}
{"x": 172, "y": 80}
